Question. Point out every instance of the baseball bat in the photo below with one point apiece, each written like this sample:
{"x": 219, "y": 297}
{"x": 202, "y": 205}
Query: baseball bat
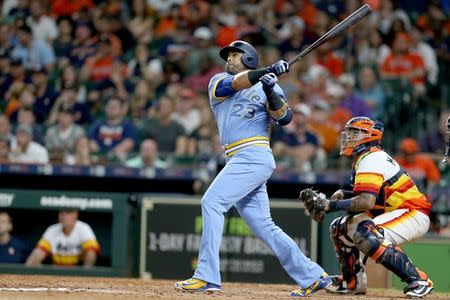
{"x": 355, "y": 17}
{"x": 447, "y": 144}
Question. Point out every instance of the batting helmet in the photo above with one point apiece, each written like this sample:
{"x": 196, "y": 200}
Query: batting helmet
{"x": 250, "y": 57}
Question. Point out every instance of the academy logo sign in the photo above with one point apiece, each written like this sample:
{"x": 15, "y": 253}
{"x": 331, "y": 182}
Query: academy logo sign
{"x": 6, "y": 199}
{"x": 81, "y": 203}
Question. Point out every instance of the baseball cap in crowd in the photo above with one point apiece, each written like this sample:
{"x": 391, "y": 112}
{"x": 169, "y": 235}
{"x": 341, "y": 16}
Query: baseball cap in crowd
{"x": 3, "y": 54}
{"x": 335, "y": 90}
{"x": 40, "y": 69}
{"x": 409, "y": 146}
{"x": 203, "y": 33}
{"x": 302, "y": 109}
{"x": 347, "y": 79}
{"x": 16, "y": 62}
{"x": 24, "y": 129}
{"x": 25, "y": 28}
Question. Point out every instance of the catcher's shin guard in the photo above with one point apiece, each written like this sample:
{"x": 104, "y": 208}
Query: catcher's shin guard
{"x": 348, "y": 256}
{"x": 370, "y": 241}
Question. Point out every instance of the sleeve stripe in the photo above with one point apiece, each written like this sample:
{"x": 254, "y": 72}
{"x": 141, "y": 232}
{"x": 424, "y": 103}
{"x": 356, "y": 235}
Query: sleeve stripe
{"x": 213, "y": 91}
{"x": 45, "y": 246}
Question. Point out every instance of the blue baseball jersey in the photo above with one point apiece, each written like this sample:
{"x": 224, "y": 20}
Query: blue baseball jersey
{"x": 243, "y": 114}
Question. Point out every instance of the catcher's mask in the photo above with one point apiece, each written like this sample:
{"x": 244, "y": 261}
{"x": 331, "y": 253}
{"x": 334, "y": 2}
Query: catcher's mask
{"x": 360, "y": 134}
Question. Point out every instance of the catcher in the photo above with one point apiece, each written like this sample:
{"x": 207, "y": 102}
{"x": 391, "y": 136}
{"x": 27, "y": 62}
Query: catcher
{"x": 386, "y": 209}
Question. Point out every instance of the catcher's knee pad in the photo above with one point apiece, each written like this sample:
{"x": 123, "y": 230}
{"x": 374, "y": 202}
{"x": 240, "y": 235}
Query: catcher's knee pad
{"x": 347, "y": 253}
{"x": 370, "y": 241}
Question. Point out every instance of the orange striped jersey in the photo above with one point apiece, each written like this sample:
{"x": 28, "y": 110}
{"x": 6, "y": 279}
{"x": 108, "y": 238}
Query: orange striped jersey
{"x": 68, "y": 249}
{"x": 379, "y": 174}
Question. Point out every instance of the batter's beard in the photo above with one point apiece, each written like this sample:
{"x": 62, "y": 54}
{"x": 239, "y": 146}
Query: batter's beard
{"x": 233, "y": 70}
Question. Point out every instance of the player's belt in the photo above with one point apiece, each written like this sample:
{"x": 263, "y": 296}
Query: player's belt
{"x": 232, "y": 148}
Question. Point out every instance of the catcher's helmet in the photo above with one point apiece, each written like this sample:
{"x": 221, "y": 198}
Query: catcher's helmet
{"x": 359, "y": 134}
{"x": 250, "y": 57}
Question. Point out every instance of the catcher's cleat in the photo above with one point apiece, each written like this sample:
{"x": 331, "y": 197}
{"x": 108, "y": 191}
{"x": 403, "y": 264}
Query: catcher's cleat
{"x": 318, "y": 285}
{"x": 418, "y": 288}
{"x": 196, "y": 285}
{"x": 339, "y": 286}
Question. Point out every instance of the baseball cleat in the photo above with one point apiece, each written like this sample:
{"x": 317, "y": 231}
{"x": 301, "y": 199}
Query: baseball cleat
{"x": 418, "y": 289}
{"x": 196, "y": 285}
{"x": 321, "y": 283}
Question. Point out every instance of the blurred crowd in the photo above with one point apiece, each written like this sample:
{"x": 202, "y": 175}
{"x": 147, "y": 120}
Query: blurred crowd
{"x": 124, "y": 82}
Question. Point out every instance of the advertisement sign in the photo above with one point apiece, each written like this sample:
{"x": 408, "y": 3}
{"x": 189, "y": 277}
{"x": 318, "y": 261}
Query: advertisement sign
{"x": 171, "y": 231}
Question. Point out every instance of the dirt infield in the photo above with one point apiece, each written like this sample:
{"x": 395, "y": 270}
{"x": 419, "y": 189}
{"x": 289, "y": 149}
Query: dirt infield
{"x": 77, "y": 288}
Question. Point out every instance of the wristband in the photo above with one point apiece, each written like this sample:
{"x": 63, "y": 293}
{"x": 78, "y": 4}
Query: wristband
{"x": 255, "y": 75}
{"x": 343, "y": 204}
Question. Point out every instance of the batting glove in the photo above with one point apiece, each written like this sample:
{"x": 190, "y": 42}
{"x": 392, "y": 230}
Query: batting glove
{"x": 280, "y": 67}
{"x": 268, "y": 81}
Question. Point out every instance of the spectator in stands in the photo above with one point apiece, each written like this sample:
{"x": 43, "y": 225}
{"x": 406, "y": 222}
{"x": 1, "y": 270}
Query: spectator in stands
{"x": 81, "y": 154}
{"x": 84, "y": 44}
{"x": 142, "y": 101}
{"x": 12, "y": 249}
{"x": 186, "y": 113}
{"x": 21, "y": 97}
{"x": 386, "y": 15}
{"x": 145, "y": 66}
{"x": 433, "y": 141}
{"x": 5, "y": 130}
{"x": 203, "y": 46}
{"x": 68, "y": 99}
{"x": 201, "y": 139}
{"x": 25, "y": 116}
{"x": 114, "y": 136}
{"x": 6, "y": 42}
{"x": 206, "y": 69}
{"x": 45, "y": 94}
{"x": 104, "y": 25}
{"x": 356, "y": 105}
{"x": 99, "y": 66}
{"x": 70, "y": 242}
{"x": 44, "y": 27}
{"x": 63, "y": 44}
{"x": 327, "y": 57}
{"x": 403, "y": 64}
{"x": 5, "y": 149}
{"x": 20, "y": 11}
{"x": 32, "y": 52}
{"x": 27, "y": 151}
{"x": 420, "y": 166}
{"x": 296, "y": 141}
{"x": 148, "y": 157}
{"x": 427, "y": 53}
{"x": 16, "y": 74}
{"x": 168, "y": 133}
{"x": 69, "y": 7}
{"x": 372, "y": 51}
{"x": 140, "y": 24}
{"x": 327, "y": 132}
{"x": 61, "y": 138}
{"x": 370, "y": 91}
{"x": 123, "y": 34}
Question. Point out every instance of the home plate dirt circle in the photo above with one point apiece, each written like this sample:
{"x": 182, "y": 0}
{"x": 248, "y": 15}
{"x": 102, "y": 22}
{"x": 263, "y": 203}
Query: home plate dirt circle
{"x": 67, "y": 288}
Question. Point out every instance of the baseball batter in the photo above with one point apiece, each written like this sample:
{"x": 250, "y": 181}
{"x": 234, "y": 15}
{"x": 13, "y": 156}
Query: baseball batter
{"x": 244, "y": 100}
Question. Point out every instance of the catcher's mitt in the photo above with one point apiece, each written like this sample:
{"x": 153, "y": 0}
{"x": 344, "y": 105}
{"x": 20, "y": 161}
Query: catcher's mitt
{"x": 314, "y": 203}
